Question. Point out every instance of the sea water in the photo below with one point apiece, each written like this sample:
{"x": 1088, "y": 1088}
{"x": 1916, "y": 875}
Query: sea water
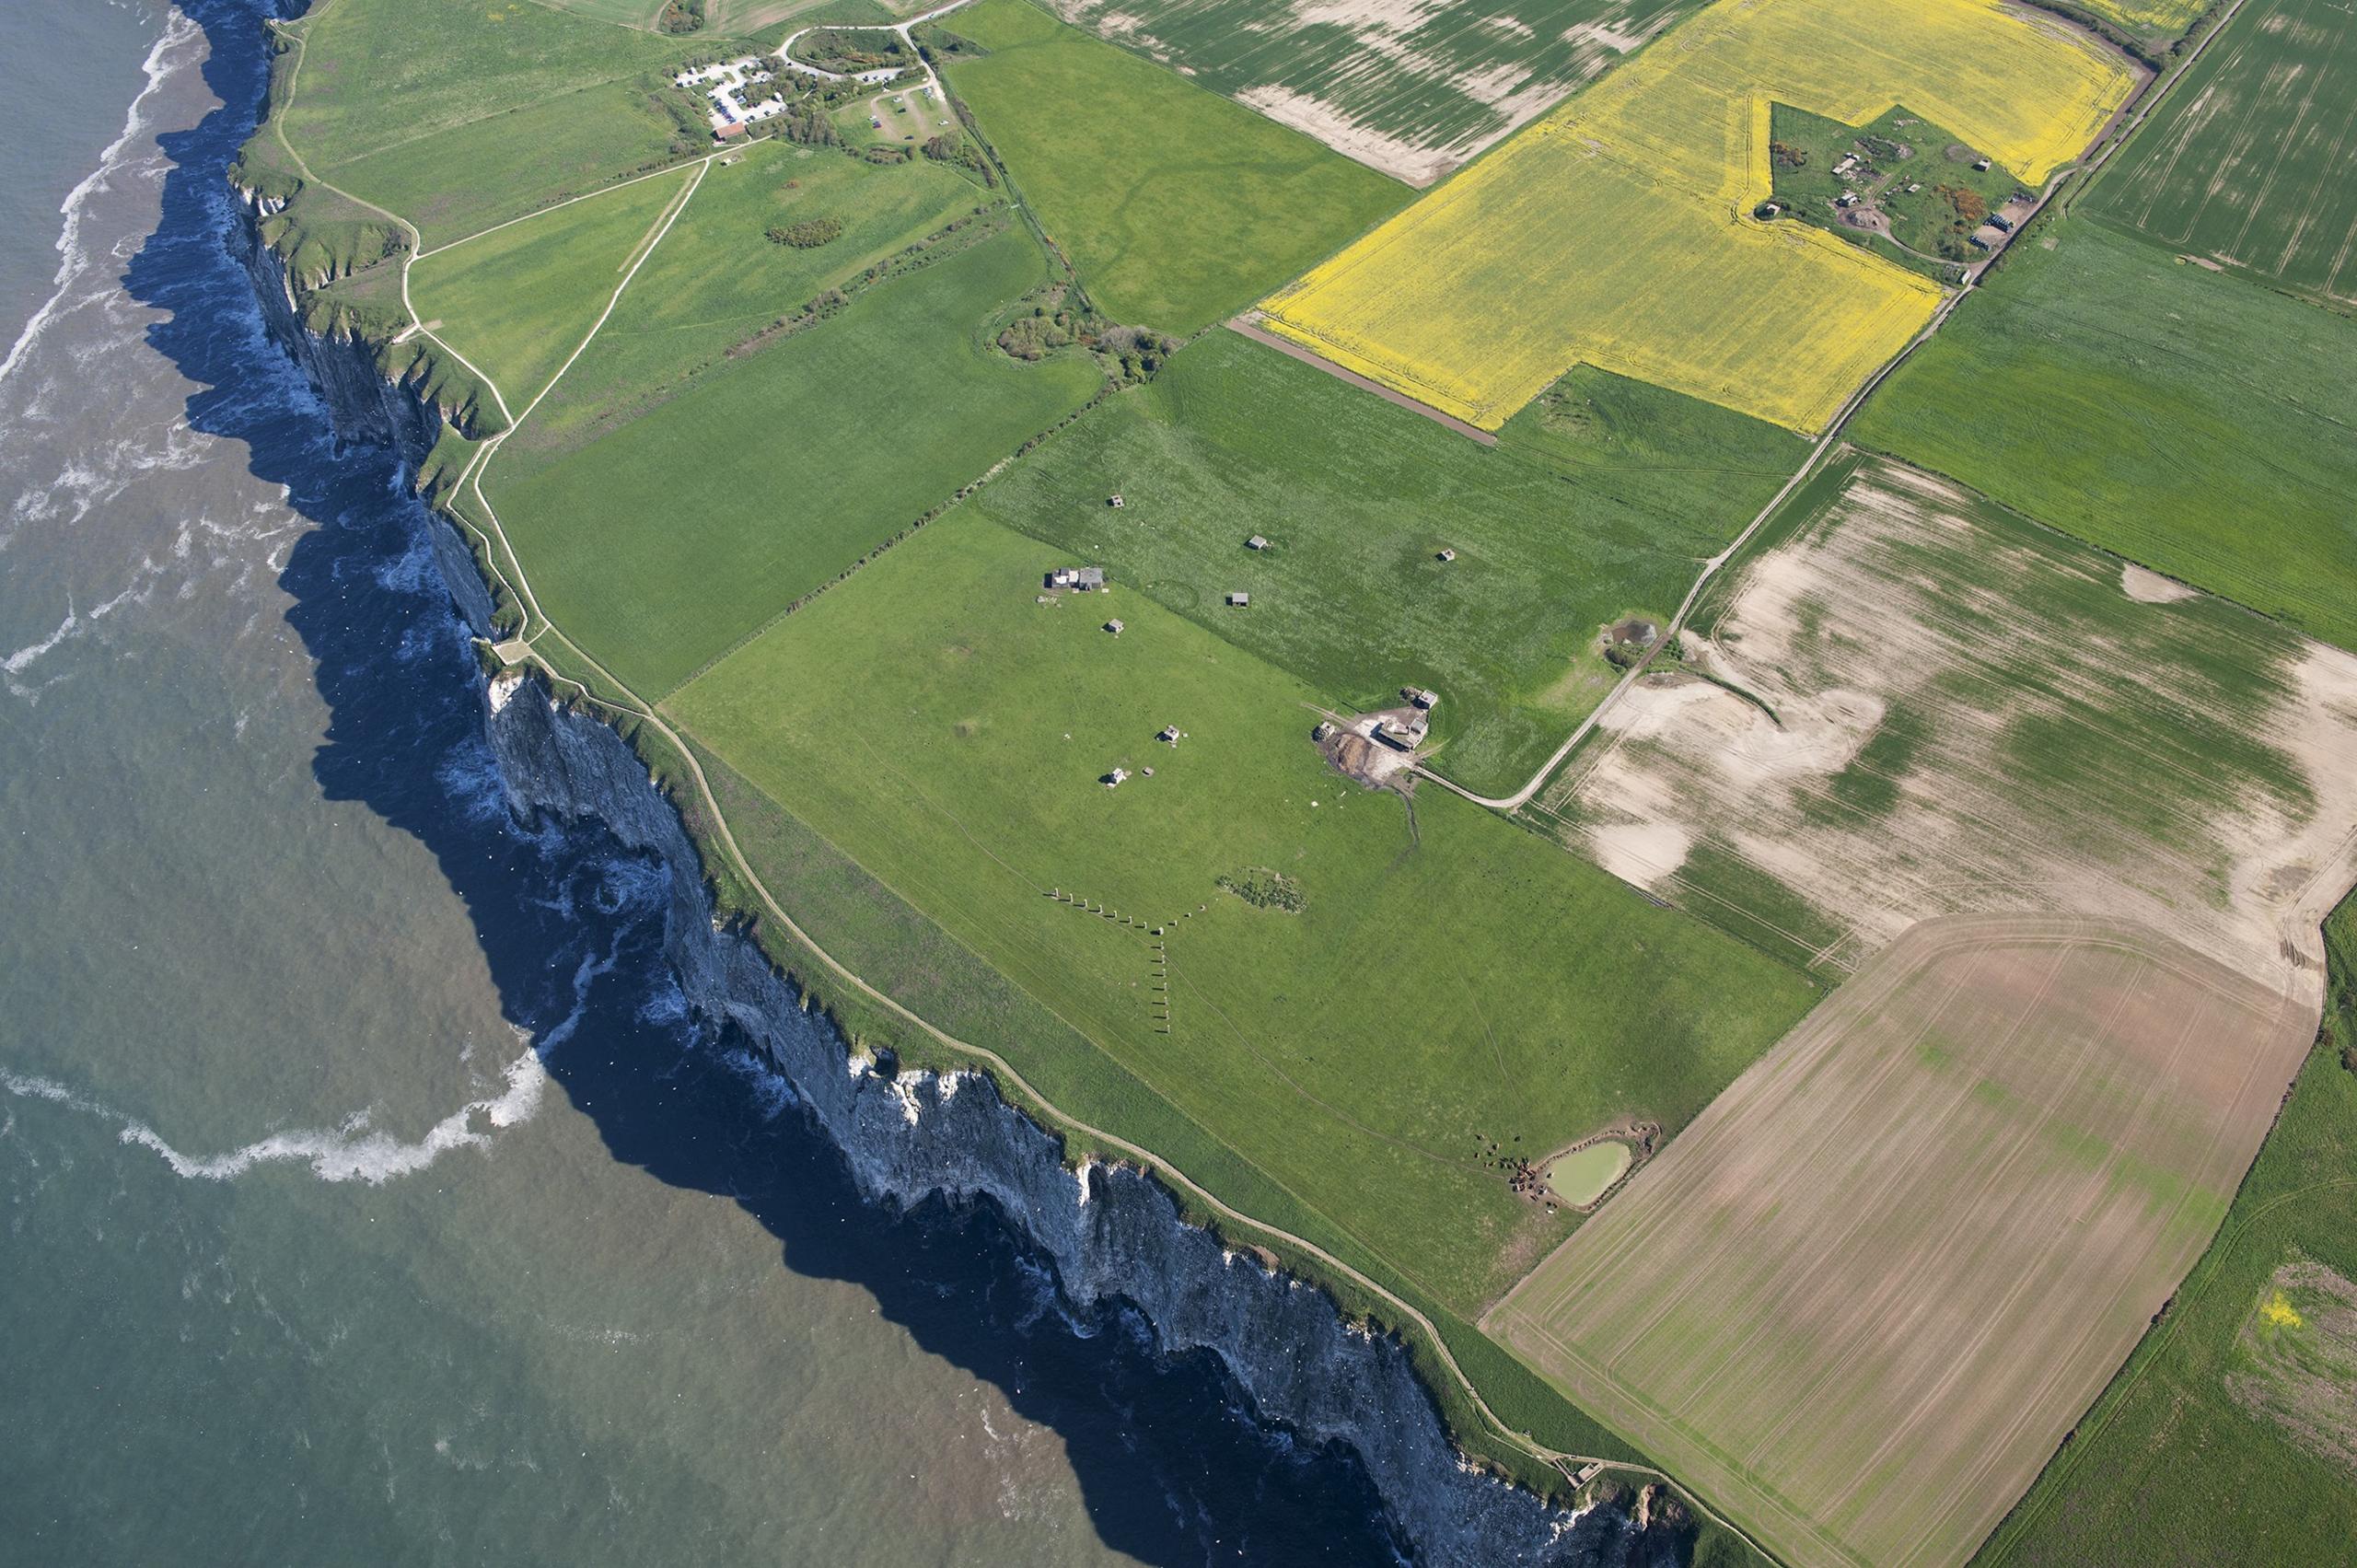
{"x": 329, "y": 1090}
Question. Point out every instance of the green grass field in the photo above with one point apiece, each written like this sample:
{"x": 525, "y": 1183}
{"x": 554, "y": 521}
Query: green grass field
{"x": 2176, "y": 415}
{"x": 621, "y": 13}
{"x": 461, "y": 113}
{"x": 672, "y": 536}
{"x": 1177, "y": 207}
{"x": 2168, "y": 1467}
{"x": 1599, "y": 499}
{"x": 1412, "y": 90}
{"x": 717, "y": 279}
{"x": 2247, "y": 162}
{"x": 1448, "y": 981}
{"x": 518, "y": 300}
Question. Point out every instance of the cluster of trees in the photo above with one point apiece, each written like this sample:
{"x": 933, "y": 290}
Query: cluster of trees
{"x": 1128, "y": 354}
{"x": 1787, "y": 155}
{"x": 934, "y": 40}
{"x": 680, "y": 15}
{"x": 1265, "y": 889}
{"x": 808, "y": 234}
{"x": 956, "y": 150}
{"x": 851, "y": 51}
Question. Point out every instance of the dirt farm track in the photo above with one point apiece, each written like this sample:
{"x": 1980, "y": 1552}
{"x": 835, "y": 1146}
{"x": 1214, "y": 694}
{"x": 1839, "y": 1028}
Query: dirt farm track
{"x": 1863, "y": 1298}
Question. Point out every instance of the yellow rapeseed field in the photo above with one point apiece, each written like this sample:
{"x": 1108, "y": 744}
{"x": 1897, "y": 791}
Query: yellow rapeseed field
{"x": 2149, "y": 16}
{"x": 1618, "y": 230}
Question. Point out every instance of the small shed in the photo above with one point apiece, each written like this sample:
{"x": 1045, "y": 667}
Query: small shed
{"x": 1063, "y": 577}
{"x": 1114, "y": 627}
{"x": 1168, "y": 735}
{"x": 1113, "y": 779}
{"x": 1422, "y": 696}
{"x": 1322, "y": 731}
{"x": 1238, "y": 600}
{"x": 1448, "y": 554}
{"x": 1256, "y": 542}
{"x": 1088, "y": 579}
{"x": 1981, "y": 163}
{"x": 1114, "y": 501}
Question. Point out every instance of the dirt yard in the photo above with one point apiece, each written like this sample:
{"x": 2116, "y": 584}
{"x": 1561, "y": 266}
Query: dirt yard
{"x": 1859, "y": 1300}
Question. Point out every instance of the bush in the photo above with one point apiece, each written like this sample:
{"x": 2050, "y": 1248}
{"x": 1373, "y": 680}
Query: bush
{"x": 884, "y": 152}
{"x": 960, "y": 151}
{"x": 1265, "y": 889}
{"x": 809, "y": 234}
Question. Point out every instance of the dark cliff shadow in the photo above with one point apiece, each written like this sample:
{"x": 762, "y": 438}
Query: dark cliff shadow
{"x": 1171, "y": 1470}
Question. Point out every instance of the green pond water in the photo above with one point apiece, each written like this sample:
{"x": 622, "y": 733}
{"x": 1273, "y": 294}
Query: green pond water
{"x": 1585, "y": 1175}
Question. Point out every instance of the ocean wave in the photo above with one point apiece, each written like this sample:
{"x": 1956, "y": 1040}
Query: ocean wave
{"x": 352, "y": 1152}
{"x": 173, "y": 50}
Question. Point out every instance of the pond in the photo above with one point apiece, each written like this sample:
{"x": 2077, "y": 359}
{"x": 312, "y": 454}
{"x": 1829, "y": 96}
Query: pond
{"x": 1585, "y": 1175}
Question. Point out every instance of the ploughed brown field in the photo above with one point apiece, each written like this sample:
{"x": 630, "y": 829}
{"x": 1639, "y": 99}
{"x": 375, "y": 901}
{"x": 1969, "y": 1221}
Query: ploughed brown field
{"x": 1860, "y": 1299}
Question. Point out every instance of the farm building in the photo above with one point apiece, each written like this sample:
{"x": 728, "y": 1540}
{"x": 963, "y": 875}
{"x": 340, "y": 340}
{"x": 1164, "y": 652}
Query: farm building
{"x": 1322, "y": 731}
{"x": 1256, "y": 541}
{"x": 1405, "y": 736}
{"x": 1423, "y": 697}
{"x": 1080, "y": 580}
{"x": 1238, "y": 600}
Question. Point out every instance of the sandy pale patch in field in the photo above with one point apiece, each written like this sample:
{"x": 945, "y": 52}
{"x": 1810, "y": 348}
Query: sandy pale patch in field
{"x": 1398, "y": 47}
{"x": 1400, "y": 158}
{"x": 1924, "y": 710}
{"x": 2149, "y": 587}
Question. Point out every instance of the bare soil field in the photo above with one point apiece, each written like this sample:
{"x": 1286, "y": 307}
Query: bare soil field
{"x": 1917, "y": 704}
{"x": 1861, "y": 1298}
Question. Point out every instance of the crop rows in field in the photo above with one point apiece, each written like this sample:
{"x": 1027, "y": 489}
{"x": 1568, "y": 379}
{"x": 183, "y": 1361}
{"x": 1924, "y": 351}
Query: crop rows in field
{"x": 1918, "y": 704}
{"x": 2199, "y": 433}
{"x": 1413, "y": 87}
{"x": 1619, "y": 230}
{"x": 2247, "y": 164}
{"x": 1863, "y": 1298}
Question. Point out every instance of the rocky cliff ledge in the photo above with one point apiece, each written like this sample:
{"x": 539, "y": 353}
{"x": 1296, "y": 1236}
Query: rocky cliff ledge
{"x": 1110, "y": 1234}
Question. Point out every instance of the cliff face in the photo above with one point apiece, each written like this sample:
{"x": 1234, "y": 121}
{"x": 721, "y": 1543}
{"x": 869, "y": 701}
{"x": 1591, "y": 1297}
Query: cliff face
{"x": 1110, "y": 1233}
